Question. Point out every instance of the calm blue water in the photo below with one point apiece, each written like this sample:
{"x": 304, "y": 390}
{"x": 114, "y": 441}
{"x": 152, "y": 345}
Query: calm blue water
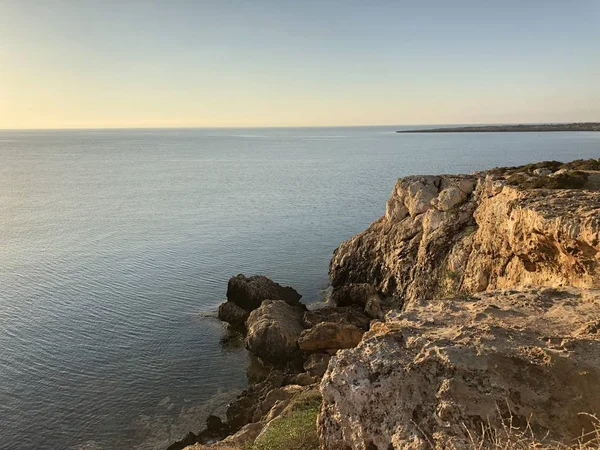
{"x": 117, "y": 246}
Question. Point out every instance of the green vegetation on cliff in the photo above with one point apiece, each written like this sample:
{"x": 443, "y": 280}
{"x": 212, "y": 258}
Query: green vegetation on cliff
{"x": 296, "y": 428}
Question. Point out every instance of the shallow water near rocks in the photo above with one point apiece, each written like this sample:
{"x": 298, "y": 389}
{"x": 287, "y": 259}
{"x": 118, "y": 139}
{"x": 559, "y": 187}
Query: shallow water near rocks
{"x": 117, "y": 246}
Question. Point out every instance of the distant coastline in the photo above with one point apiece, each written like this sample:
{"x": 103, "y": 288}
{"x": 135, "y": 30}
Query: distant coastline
{"x": 584, "y": 126}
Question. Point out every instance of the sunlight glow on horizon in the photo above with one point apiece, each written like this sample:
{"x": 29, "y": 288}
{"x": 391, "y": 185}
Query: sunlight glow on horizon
{"x": 177, "y": 64}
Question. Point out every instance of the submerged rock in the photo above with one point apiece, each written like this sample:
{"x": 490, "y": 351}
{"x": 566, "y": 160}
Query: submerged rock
{"x": 433, "y": 374}
{"x": 233, "y": 314}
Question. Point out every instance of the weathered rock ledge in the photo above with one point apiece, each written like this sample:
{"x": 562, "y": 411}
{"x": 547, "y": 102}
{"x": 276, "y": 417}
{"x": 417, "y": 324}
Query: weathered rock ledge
{"x": 447, "y": 234}
{"x": 432, "y": 375}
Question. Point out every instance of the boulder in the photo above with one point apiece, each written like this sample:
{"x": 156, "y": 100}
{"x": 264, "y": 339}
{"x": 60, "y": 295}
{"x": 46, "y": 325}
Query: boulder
{"x": 250, "y": 292}
{"x": 233, "y": 314}
{"x": 348, "y": 314}
{"x": 353, "y": 294}
{"x": 432, "y": 375}
{"x": 316, "y": 364}
{"x": 273, "y": 331}
{"x": 330, "y": 336}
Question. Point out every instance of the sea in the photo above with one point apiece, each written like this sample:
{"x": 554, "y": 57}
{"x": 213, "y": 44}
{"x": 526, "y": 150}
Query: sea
{"x": 117, "y": 245}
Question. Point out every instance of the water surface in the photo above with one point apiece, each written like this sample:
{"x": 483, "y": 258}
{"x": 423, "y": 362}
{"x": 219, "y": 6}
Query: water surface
{"x": 117, "y": 247}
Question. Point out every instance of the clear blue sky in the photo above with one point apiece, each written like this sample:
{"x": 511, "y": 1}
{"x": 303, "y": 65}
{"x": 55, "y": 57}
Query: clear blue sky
{"x": 133, "y": 63}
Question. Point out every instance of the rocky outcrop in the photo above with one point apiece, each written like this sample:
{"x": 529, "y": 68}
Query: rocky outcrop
{"x": 432, "y": 375}
{"x": 446, "y": 234}
{"x": 250, "y": 292}
{"x": 451, "y": 322}
{"x": 329, "y": 337}
{"x": 233, "y": 314}
{"x": 245, "y": 294}
{"x": 273, "y": 331}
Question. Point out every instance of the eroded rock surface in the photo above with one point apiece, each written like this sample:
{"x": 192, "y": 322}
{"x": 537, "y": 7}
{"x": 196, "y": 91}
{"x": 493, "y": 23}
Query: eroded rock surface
{"x": 446, "y": 234}
{"x": 273, "y": 331}
{"x": 438, "y": 369}
{"x": 330, "y": 337}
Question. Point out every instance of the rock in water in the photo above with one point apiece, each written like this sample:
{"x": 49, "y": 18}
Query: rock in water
{"x": 439, "y": 370}
{"x": 233, "y": 314}
{"x": 273, "y": 331}
{"x": 250, "y": 292}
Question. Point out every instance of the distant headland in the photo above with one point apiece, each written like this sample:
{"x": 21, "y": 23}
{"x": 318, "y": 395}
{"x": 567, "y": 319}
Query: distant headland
{"x": 583, "y": 126}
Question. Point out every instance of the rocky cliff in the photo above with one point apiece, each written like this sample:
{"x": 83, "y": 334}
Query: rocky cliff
{"x": 468, "y": 317}
{"x": 455, "y": 374}
{"x": 482, "y": 345}
{"x": 442, "y": 235}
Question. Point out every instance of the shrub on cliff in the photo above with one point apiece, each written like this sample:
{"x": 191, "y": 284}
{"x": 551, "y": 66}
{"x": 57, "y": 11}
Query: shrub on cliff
{"x": 572, "y": 179}
{"x": 582, "y": 164}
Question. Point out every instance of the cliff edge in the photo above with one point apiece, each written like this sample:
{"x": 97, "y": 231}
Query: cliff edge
{"x": 442, "y": 235}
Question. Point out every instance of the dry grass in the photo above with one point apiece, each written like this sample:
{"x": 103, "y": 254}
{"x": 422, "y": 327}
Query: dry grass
{"x": 510, "y": 437}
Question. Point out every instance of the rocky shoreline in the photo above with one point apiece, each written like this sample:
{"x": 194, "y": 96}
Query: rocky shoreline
{"x": 471, "y": 307}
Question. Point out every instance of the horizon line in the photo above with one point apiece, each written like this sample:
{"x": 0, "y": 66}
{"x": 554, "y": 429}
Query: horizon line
{"x": 288, "y": 126}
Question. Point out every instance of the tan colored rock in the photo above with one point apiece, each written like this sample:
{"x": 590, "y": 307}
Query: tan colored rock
{"x": 494, "y": 236}
{"x": 327, "y": 336}
{"x": 449, "y": 198}
{"x": 273, "y": 331}
{"x": 437, "y": 371}
{"x": 417, "y": 193}
{"x": 303, "y": 379}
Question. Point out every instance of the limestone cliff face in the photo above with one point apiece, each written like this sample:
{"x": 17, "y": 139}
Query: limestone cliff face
{"x": 433, "y": 374}
{"x": 445, "y": 234}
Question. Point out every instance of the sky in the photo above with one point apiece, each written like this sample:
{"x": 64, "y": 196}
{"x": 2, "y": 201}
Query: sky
{"x": 258, "y": 63}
